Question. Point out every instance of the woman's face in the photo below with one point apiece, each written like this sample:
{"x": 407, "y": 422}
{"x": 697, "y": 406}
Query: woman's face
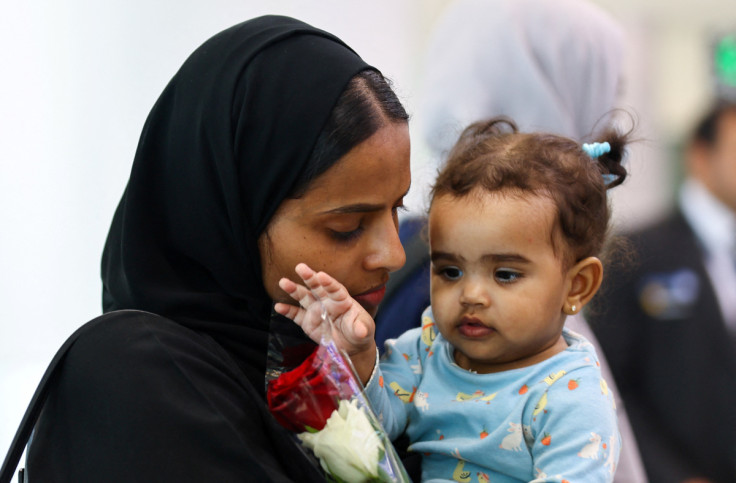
{"x": 346, "y": 223}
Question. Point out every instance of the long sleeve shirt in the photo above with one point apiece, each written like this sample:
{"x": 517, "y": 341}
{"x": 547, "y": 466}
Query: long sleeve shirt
{"x": 552, "y": 421}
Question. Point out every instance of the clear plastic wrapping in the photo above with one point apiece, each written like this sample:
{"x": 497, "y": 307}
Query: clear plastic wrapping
{"x": 312, "y": 390}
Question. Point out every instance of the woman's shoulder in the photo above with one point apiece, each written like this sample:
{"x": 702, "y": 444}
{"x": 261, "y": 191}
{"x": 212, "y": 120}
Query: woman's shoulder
{"x": 127, "y": 321}
{"x": 122, "y": 353}
{"x": 140, "y": 368}
{"x": 120, "y": 330}
{"x": 141, "y": 397}
{"x": 130, "y": 335}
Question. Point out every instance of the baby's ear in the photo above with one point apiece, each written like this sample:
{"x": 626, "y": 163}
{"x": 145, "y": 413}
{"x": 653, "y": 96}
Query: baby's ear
{"x": 583, "y": 281}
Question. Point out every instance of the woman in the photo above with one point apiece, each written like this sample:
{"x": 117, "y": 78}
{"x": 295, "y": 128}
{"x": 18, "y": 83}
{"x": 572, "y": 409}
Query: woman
{"x": 273, "y": 143}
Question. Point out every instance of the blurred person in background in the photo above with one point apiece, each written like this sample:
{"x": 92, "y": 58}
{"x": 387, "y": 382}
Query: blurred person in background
{"x": 551, "y": 66}
{"x": 667, "y": 324}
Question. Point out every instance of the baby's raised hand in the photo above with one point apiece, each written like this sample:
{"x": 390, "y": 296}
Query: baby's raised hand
{"x": 352, "y": 329}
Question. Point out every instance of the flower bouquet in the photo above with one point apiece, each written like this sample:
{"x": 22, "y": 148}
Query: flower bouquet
{"x": 322, "y": 401}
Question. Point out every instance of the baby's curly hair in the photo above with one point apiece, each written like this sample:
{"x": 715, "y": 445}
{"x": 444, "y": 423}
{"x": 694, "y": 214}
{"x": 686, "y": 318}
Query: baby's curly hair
{"x": 493, "y": 156}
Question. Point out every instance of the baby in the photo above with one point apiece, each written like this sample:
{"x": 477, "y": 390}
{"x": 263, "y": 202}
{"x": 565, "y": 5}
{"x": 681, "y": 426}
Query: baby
{"x": 492, "y": 387}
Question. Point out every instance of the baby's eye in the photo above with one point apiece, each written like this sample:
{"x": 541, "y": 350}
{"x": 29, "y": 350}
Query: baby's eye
{"x": 451, "y": 273}
{"x": 505, "y": 275}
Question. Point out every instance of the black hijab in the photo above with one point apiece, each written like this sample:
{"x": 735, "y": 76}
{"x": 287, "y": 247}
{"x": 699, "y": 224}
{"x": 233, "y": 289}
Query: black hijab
{"x": 221, "y": 149}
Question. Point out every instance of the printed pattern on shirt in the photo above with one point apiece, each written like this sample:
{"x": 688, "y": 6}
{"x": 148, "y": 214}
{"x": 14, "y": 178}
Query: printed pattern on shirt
{"x": 554, "y": 420}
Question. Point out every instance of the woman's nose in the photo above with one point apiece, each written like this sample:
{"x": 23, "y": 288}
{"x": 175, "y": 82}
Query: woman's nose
{"x": 386, "y": 250}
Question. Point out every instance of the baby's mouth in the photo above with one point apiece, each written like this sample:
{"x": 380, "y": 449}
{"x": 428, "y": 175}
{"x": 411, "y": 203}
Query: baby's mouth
{"x": 473, "y": 328}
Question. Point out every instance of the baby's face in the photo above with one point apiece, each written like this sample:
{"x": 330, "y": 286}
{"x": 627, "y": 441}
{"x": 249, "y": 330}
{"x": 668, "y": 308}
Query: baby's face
{"x": 498, "y": 288}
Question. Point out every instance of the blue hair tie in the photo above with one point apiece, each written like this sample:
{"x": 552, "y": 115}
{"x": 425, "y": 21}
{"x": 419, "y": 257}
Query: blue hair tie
{"x": 596, "y": 149}
{"x": 609, "y": 178}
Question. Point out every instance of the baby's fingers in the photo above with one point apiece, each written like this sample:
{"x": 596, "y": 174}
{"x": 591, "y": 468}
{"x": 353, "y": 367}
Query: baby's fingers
{"x": 321, "y": 284}
{"x": 298, "y": 292}
{"x": 310, "y": 279}
{"x": 288, "y": 286}
{"x": 309, "y": 320}
{"x": 357, "y": 325}
{"x": 289, "y": 311}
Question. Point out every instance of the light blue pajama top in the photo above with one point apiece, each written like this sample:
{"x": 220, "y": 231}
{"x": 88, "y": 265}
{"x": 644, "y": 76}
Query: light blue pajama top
{"x": 553, "y": 421}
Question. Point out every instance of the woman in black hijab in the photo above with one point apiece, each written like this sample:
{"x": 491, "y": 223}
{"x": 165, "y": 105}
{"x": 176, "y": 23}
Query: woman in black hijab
{"x": 274, "y": 143}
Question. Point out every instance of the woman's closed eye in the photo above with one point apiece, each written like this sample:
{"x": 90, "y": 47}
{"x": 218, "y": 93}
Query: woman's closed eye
{"x": 507, "y": 275}
{"x": 346, "y": 236}
{"x": 399, "y": 207}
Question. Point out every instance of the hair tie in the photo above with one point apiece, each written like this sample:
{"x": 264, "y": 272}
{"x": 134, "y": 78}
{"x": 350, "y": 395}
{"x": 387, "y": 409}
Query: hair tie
{"x": 596, "y": 149}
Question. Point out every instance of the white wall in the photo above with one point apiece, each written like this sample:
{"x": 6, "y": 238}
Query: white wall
{"x": 79, "y": 76}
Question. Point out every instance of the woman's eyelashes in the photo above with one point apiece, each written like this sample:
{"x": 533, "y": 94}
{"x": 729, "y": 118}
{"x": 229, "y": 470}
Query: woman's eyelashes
{"x": 395, "y": 212}
{"x": 346, "y": 236}
{"x": 399, "y": 207}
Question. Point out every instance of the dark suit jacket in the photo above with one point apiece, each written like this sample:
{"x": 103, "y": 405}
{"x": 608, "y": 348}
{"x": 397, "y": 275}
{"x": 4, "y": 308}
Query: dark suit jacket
{"x": 673, "y": 359}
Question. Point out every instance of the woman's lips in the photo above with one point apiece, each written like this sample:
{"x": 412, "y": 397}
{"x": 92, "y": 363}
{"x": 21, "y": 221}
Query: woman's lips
{"x": 473, "y": 328}
{"x": 371, "y": 298}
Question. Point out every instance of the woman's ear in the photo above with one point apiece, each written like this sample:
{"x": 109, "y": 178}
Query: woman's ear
{"x": 583, "y": 281}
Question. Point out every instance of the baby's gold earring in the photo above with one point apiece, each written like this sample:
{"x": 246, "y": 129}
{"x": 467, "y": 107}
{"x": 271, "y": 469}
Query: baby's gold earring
{"x": 573, "y": 308}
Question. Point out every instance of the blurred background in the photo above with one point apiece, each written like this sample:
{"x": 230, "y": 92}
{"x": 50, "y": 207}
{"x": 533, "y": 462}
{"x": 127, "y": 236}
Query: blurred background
{"x": 79, "y": 77}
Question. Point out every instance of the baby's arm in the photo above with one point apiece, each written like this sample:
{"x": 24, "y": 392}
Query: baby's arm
{"x": 574, "y": 430}
{"x": 393, "y": 387}
{"x": 353, "y": 328}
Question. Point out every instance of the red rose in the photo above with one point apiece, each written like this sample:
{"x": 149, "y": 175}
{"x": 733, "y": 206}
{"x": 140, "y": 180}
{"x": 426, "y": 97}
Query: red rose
{"x": 306, "y": 396}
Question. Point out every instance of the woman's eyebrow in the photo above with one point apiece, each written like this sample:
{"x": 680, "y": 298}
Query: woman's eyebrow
{"x": 356, "y": 208}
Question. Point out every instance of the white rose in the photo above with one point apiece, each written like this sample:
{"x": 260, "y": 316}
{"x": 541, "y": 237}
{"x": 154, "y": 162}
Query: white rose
{"x": 348, "y": 446}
